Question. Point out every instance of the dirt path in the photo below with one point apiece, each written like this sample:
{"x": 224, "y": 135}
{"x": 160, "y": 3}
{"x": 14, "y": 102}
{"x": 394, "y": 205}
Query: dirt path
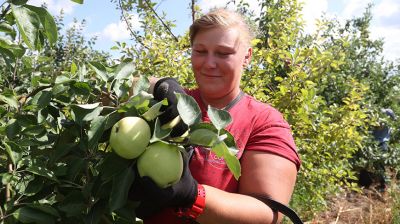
{"x": 368, "y": 207}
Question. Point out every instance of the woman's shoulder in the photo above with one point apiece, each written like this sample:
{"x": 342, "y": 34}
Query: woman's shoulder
{"x": 263, "y": 111}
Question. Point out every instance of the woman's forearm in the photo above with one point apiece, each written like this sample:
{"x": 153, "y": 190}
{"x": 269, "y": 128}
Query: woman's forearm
{"x": 223, "y": 207}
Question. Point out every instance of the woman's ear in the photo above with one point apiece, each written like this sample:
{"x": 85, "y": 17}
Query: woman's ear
{"x": 247, "y": 57}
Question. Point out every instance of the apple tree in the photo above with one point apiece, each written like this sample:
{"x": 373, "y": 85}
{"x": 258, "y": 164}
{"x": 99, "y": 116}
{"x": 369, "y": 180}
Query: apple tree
{"x": 57, "y": 163}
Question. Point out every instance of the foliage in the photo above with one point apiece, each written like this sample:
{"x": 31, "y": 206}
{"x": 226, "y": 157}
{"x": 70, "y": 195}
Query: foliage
{"x": 54, "y": 129}
{"x": 329, "y": 85}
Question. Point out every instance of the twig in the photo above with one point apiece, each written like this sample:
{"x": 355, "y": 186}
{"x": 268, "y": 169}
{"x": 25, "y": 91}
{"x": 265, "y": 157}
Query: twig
{"x": 351, "y": 209}
{"x": 162, "y": 22}
{"x": 338, "y": 215}
{"x": 1, "y": 214}
{"x": 370, "y": 213}
{"x": 5, "y": 10}
{"x": 137, "y": 38}
{"x": 193, "y": 10}
{"x": 8, "y": 186}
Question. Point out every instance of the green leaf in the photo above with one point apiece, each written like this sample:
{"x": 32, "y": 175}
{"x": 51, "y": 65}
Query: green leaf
{"x": 219, "y": 118}
{"x": 26, "y": 120}
{"x": 220, "y": 149}
{"x": 28, "y": 23}
{"x": 108, "y": 169}
{"x": 142, "y": 84}
{"x": 19, "y": 2}
{"x": 78, "y": 1}
{"x": 42, "y": 171}
{"x": 61, "y": 150}
{"x": 120, "y": 188}
{"x": 154, "y": 111}
{"x": 6, "y": 28}
{"x": 14, "y": 151}
{"x": 34, "y": 186}
{"x": 188, "y": 109}
{"x": 30, "y": 215}
{"x": 81, "y": 88}
{"x": 124, "y": 70}
{"x": 73, "y": 204}
{"x": 47, "y": 21}
{"x": 159, "y": 133}
{"x": 96, "y": 130}
{"x": 61, "y": 79}
{"x": 10, "y": 99}
{"x": 203, "y": 137}
{"x": 42, "y": 99}
{"x": 34, "y": 131}
{"x": 74, "y": 68}
{"x": 12, "y": 129}
{"x": 100, "y": 70}
{"x": 112, "y": 119}
{"x": 85, "y": 112}
{"x": 96, "y": 212}
{"x": 46, "y": 208}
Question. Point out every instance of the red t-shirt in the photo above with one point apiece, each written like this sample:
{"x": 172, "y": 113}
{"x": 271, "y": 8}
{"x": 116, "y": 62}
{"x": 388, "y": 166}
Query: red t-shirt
{"x": 255, "y": 126}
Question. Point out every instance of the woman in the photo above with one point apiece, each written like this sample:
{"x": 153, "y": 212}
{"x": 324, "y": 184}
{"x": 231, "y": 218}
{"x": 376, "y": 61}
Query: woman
{"x": 220, "y": 50}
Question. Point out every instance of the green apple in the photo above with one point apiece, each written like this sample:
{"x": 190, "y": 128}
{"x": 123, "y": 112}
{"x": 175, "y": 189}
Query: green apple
{"x": 162, "y": 162}
{"x": 130, "y": 137}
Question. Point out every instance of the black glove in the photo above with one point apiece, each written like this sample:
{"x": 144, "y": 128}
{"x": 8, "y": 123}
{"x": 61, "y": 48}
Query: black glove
{"x": 166, "y": 88}
{"x": 154, "y": 199}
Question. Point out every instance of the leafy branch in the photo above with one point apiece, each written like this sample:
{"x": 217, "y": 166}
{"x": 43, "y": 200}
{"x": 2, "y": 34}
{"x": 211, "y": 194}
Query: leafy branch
{"x": 162, "y": 22}
{"x": 137, "y": 38}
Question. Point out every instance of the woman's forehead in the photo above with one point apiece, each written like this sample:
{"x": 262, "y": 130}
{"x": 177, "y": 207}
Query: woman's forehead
{"x": 218, "y": 36}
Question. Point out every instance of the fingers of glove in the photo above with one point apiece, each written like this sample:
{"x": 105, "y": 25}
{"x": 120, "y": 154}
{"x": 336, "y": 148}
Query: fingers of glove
{"x": 179, "y": 129}
{"x": 137, "y": 189}
{"x": 166, "y": 88}
{"x": 147, "y": 209}
{"x": 154, "y": 193}
{"x": 185, "y": 190}
{"x": 168, "y": 115}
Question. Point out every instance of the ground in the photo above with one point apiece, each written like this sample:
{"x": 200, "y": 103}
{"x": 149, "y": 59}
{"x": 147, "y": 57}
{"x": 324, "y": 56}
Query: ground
{"x": 366, "y": 207}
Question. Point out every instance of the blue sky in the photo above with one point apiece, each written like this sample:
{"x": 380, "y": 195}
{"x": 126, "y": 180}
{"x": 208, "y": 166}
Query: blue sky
{"x": 103, "y": 19}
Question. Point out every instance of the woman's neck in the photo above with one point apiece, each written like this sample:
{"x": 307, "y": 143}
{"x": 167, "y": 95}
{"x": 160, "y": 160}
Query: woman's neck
{"x": 220, "y": 102}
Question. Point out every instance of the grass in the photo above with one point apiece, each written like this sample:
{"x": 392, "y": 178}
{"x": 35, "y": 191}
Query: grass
{"x": 366, "y": 207}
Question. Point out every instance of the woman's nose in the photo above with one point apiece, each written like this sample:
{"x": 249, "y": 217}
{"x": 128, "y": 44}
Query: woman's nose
{"x": 210, "y": 61}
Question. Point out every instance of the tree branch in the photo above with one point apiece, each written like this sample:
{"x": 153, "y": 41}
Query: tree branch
{"x": 162, "y": 22}
{"x": 137, "y": 38}
{"x": 3, "y": 14}
{"x": 193, "y": 10}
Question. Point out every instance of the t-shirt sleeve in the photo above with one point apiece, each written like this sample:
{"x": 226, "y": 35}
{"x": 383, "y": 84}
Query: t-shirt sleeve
{"x": 271, "y": 133}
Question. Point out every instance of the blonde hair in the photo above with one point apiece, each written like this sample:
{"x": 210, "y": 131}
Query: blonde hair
{"x": 222, "y": 18}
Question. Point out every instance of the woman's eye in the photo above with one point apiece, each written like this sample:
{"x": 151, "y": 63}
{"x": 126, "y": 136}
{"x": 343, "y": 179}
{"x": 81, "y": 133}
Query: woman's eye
{"x": 200, "y": 51}
{"x": 224, "y": 53}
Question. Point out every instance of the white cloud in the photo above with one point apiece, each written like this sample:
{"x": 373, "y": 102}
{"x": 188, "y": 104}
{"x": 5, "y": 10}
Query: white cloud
{"x": 387, "y": 8}
{"x": 55, "y": 6}
{"x": 206, "y": 5}
{"x": 313, "y": 10}
{"x": 119, "y": 31}
{"x": 354, "y": 8}
{"x": 386, "y": 25}
{"x": 390, "y": 35}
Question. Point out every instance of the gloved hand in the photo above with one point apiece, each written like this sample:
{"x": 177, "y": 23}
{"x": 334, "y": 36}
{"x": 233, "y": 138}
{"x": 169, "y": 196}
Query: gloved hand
{"x": 166, "y": 88}
{"x": 154, "y": 199}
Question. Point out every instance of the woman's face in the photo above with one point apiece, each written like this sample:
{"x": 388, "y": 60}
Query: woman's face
{"x": 218, "y": 58}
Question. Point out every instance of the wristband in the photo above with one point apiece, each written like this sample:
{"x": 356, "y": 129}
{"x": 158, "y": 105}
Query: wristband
{"x": 197, "y": 208}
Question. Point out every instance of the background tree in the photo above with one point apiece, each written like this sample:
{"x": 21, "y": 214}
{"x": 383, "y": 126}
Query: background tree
{"x": 329, "y": 85}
